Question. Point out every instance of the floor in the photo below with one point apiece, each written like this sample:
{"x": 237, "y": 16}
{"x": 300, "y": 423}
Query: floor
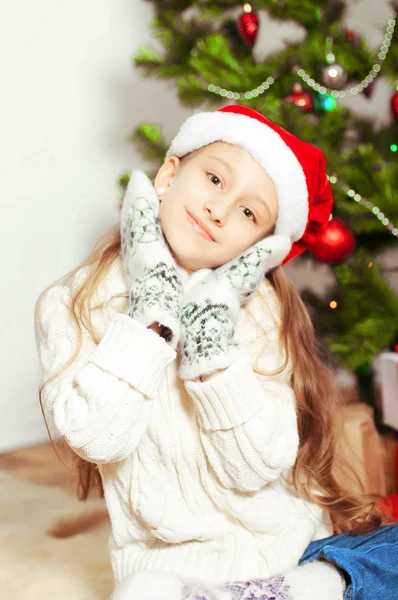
{"x": 40, "y": 464}
{"x": 64, "y": 545}
{"x": 57, "y": 546}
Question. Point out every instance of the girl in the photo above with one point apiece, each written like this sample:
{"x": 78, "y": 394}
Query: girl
{"x": 181, "y": 367}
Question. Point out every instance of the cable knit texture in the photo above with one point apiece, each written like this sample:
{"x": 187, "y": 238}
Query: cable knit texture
{"x": 192, "y": 472}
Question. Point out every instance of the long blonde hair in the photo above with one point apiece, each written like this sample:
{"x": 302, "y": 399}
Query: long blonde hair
{"x": 317, "y": 396}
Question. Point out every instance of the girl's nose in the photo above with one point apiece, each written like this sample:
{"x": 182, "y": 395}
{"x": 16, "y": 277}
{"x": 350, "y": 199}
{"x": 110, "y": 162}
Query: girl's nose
{"x": 216, "y": 212}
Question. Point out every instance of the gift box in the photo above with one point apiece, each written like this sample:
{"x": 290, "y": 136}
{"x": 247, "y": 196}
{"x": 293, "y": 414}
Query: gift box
{"x": 361, "y": 446}
{"x": 390, "y": 445}
{"x": 388, "y": 378}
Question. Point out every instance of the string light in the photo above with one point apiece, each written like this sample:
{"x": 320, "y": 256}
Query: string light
{"x": 265, "y": 85}
{"x": 247, "y": 95}
{"x": 369, "y": 205}
{"x": 370, "y": 77}
{"x": 333, "y": 304}
{"x": 334, "y": 94}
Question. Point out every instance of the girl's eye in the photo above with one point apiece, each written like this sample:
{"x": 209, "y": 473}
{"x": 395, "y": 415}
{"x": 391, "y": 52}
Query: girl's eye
{"x": 216, "y": 181}
{"x": 213, "y": 178}
{"x": 250, "y": 214}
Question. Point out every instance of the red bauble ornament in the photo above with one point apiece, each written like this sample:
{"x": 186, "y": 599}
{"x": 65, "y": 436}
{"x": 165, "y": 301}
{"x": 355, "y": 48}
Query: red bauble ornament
{"x": 301, "y": 99}
{"x": 335, "y": 244}
{"x": 389, "y": 508}
{"x": 247, "y": 26}
{"x": 394, "y": 104}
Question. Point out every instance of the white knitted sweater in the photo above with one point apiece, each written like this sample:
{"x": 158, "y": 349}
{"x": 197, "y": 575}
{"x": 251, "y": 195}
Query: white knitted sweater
{"x": 192, "y": 476}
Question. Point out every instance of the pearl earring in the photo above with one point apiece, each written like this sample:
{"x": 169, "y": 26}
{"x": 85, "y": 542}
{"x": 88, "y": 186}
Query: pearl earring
{"x": 160, "y": 191}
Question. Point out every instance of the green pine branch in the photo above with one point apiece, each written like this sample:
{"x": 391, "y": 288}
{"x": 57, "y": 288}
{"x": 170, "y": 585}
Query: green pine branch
{"x": 366, "y": 319}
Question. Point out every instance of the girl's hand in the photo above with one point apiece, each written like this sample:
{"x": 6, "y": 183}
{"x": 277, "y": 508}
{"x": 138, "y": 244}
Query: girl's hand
{"x": 153, "y": 276}
{"x": 211, "y": 306}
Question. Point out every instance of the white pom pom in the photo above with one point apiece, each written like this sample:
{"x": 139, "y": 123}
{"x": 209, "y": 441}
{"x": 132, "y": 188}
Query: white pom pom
{"x": 149, "y": 586}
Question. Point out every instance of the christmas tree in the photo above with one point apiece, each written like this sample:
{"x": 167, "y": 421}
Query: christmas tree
{"x": 207, "y": 49}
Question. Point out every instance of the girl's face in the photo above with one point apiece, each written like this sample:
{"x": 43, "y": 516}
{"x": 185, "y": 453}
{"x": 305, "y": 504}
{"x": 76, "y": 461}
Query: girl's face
{"x": 230, "y": 195}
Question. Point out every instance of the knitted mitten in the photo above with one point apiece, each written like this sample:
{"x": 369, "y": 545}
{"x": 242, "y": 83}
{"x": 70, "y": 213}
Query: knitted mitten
{"x": 154, "y": 278}
{"x": 312, "y": 581}
{"x": 273, "y": 588}
{"x": 211, "y": 306}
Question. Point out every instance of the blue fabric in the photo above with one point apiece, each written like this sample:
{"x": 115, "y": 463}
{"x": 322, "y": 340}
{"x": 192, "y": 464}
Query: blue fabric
{"x": 370, "y": 561}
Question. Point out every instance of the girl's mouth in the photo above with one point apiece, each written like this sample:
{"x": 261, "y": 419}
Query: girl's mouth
{"x": 196, "y": 227}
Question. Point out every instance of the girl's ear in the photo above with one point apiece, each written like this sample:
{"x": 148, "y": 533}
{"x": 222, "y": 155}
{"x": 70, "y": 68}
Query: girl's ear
{"x": 166, "y": 174}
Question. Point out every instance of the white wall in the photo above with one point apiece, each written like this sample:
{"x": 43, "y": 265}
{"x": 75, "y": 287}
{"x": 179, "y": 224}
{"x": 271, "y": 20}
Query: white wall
{"x": 69, "y": 99}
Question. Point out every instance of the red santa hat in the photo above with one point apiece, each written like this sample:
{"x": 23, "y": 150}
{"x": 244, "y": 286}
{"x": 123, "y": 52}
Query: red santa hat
{"x": 297, "y": 169}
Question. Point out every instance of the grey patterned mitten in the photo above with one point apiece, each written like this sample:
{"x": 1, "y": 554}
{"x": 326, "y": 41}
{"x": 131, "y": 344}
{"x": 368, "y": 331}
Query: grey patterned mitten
{"x": 211, "y": 306}
{"x": 154, "y": 278}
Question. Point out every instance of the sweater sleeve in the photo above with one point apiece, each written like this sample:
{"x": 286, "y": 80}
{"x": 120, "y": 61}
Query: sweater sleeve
{"x": 248, "y": 422}
{"x": 101, "y": 404}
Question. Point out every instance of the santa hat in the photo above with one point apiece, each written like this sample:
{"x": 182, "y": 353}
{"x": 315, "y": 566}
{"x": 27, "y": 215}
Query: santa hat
{"x": 297, "y": 169}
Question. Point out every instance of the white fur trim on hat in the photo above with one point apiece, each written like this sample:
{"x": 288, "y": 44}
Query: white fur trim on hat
{"x": 266, "y": 147}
